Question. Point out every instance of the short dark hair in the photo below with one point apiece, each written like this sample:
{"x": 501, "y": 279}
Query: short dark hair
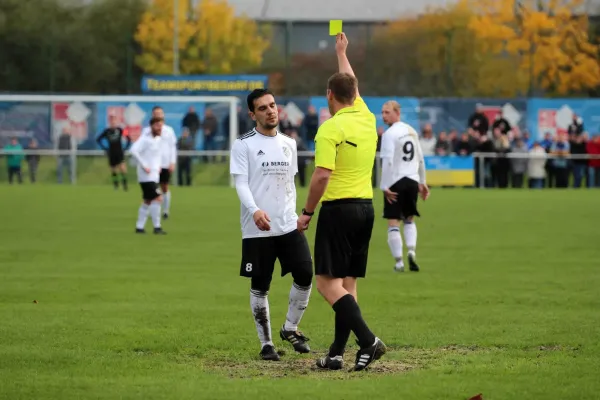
{"x": 343, "y": 86}
{"x": 257, "y": 94}
{"x": 155, "y": 120}
{"x": 156, "y": 108}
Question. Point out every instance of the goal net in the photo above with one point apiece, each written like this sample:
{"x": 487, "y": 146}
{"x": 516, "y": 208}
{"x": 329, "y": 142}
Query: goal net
{"x": 65, "y": 127}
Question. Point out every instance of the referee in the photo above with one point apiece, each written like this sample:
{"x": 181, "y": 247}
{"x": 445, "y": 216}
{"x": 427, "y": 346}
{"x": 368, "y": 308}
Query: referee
{"x": 345, "y": 149}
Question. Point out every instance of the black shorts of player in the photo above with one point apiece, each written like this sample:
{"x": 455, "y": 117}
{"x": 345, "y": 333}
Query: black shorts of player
{"x": 165, "y": 176}
{"x": 115, "y": 158}
{"x": 342, "y": 239}
{"x": 259, "y": 255}
{"x": 150, "y": 190}
{"x": 406, "y": 204}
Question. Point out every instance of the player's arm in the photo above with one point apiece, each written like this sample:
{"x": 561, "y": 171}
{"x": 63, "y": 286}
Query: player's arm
{"x": 173, "y": 151}
{"x": 127, "y": 138}
{"x": 423, "y": 188}
{"x": 99, "y": 140}
{"x": 326, "y": 143}
{"x": 386, "y": 153}
{"x": 136, "y": 151}
{"x": 238, "y": 167}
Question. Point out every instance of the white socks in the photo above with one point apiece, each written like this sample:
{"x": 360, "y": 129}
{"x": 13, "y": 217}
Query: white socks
{"x": 166, "y": 202}
{"x": 142, "y": 216}
{"x": 299, "y": 296}
{"x": 155, "y": 213}
{"x": 410, "y": 235}
{"x": 395, "y": 242}
{"x": 259, "y": 304}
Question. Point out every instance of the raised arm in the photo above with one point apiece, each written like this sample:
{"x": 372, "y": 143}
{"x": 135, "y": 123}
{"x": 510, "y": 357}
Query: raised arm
{"x": 341, "y": 44}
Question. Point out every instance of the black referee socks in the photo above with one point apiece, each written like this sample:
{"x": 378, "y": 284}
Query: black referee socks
{"x": 347, "y": 308}
{"x": 342, "y": 333}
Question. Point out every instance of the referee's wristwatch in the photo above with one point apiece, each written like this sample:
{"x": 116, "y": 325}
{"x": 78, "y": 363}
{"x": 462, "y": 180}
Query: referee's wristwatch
{"x": 310, "y": 214}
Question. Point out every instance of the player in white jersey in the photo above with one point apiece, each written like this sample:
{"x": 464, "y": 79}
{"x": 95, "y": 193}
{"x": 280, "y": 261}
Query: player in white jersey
{"x": 264, "y": 163}
{"x": 147, "y": 153}
{"x": 168, "y": 158}
{"x": 402, "y": 179}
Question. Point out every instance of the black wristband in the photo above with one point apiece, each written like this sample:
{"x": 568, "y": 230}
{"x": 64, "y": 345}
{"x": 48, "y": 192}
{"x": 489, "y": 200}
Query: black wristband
{"x": 304, "y": 212}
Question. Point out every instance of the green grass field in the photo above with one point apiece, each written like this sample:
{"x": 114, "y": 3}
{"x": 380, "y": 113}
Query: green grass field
{"x": 506, "y": 303}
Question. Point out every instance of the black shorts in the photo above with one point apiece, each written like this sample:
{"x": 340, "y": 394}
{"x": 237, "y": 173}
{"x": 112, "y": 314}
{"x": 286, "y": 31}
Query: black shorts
{"x": 259, "y": 255}
{"x": 116, "y": 158}
{"x": 343, "y": 235}
{"x": 406, "y": 204}
{"x": 165, "y": 176}
{"x": 150, "y": 190}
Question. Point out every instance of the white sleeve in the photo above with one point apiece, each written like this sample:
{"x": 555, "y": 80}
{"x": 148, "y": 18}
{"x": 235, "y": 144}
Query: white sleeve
{"x": 422, "y": 178}
{"x": 136, "y": 151}
{"x": 173, "y": 147}
{"x": 294, "y": 159}
{"x": 244, "y": 193}
{"x": 387, "y": 160}
{"x": 238, "y": 163}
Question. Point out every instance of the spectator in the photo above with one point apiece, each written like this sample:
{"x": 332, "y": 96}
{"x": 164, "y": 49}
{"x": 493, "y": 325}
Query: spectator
{"x": 442, "y": 145}
{"x": 464, "y": 147}
{"x": 302, "y": 160}
{"x": 501, "y": 167}
{"x": 311, "y": 126}
{"x": 191, "y": 121}
{"x": 501, "y": 123}
{"x": 209, "y": 128}
{"x": 547, "y": 144}
{"x": 593, "y": 148}
{"x": 536, "y": 167}
{"x": 453, "y": 140}
{"x": 242, "y": 123}
{"x": 561, "y": 150}
{"x": 519, "y": 165}
{"x": 576, "y": 126}
{"x": 33, "y": 160}
{"x": 64, "y": 160}
{"x": 14, "y": 160}
{"x": 184, "y": 163}
{"x": 427, "y": 141}
{"x": 527, "y": 140}
{"x": 478, "y": 121}
{"x": 578, "y": 145}
{"x": 483, "y": 165}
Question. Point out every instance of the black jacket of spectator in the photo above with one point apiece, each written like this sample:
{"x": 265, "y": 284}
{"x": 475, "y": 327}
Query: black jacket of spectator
{"x": 479, "y": 122}
{"x": 503, "y": 124}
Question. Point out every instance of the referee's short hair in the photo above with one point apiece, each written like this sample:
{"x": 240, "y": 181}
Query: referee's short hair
{"x": 343, "y": 86}
{"x": 257, "y": 94}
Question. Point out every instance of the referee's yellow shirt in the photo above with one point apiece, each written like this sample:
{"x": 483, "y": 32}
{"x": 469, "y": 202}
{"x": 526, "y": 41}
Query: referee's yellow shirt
{"x": 346, "y": 144}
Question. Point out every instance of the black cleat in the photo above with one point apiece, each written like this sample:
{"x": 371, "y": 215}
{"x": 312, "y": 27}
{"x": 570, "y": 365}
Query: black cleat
{"x": 331, "y": 363}
{"x": 159, "y": 231}
{"x": 412, "y": 263}
{"x": 165, "y": 216}
{"x": 297, "y": 339}
{"x": 268, "y": 353}
{"x": 366, "y": 356}
{"x": 137, "y": 230}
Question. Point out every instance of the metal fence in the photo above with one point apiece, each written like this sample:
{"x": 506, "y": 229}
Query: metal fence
{"x": 212, "y": 167}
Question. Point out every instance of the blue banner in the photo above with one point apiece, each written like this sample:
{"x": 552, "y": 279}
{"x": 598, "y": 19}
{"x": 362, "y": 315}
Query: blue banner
{"x": 25, "y": 121}
{"x": 450, "y": 170}
{"x": 408, "y": 105}
{"x": 555, "y": 115}
{"x": 203, "y": 84}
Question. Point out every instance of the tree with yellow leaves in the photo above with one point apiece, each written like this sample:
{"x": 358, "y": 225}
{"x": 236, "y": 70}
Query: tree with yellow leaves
{"x": 547, "y": 42}
{"x": 211, "y": 39}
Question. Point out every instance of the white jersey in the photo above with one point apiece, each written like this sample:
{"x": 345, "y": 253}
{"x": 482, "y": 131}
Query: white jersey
{"x": 401, "y": 155}
{"x": 270, "y": 164}
{"x": 168, "y": 145}
{"x": 147, "y": 152}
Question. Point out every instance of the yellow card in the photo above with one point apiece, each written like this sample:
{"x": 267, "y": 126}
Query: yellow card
{"x": 335, "y": 27}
